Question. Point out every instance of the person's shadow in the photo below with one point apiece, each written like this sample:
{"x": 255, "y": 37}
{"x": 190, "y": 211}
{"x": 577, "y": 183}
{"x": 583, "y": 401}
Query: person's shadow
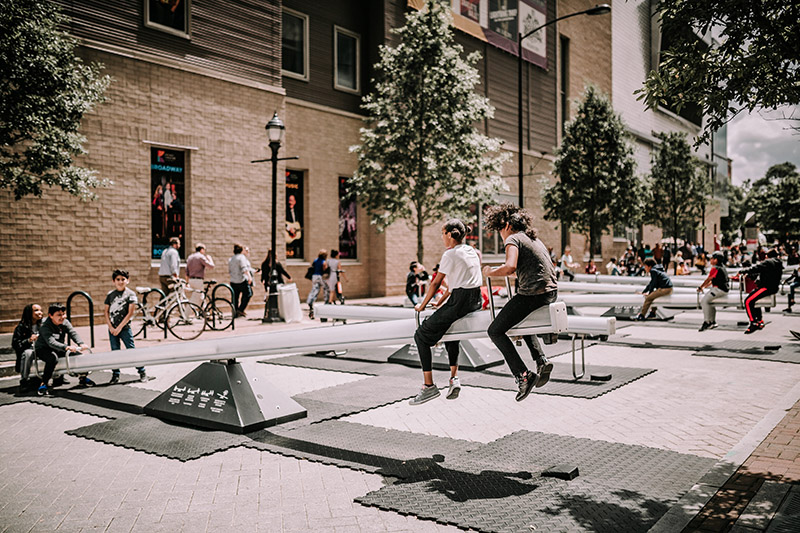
{"x": 460, "y": 486}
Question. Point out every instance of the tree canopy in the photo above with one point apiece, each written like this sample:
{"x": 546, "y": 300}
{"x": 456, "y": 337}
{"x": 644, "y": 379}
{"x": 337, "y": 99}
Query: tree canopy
{"x": 753, "y": 63}
{"x": 679, "y": 187}
{"x": 775, "y": 199}
{"x": 421, "y": 159}
{"x": 596, "y": 185}
{"x": 45, "y": 91}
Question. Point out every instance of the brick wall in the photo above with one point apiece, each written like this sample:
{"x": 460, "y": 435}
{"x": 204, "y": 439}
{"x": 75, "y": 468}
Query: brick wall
{"x": 55, "y": 244}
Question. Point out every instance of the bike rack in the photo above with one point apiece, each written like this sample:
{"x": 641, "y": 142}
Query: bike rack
{"x": 230, "y": 289}
{"x": 91, "y": 311}
{"x": 144, "y": 303}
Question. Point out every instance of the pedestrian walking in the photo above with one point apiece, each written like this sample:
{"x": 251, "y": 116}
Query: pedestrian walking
{"x": 170, "y": 266}
{"x": 318, "y": 270}
{"x": 196, "y": 266}
{"x": 241, "y": 279}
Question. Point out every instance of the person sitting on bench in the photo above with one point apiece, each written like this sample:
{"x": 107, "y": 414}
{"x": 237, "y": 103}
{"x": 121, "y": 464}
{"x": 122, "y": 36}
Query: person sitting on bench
{"x": 718, "y": 280}
{"x": 25, "y": 334}
{"x": 52, "y": 344}
{"x": 769, "y": 274}
{"x": 660, "y": 285}
{"x": 461, "y": 265}
{"x": 527, "y": 257}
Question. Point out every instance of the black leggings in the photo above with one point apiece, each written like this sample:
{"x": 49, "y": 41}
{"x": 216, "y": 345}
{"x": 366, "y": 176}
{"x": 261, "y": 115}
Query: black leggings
{"x": 461, "y": 302}
{"x": 515, "y": 311}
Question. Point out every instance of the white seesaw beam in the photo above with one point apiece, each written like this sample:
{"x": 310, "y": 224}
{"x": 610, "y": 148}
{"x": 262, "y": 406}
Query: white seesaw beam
{"x": 677, "y": 281}
{"x": 672, "y": 301}
{"x": 551, "y": 319}
{"x": 576, "y": 325}
{"x": 615, "y": 288}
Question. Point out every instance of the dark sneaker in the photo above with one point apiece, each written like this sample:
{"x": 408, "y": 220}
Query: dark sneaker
{"x": 638, "y": 318}
{"x": 543, "y": 370}
{"x": 752, "y": 328}
{"x": 43, "y": 391}
{"x": 455, "y": 388}
{"x": 311, "y": 314}
{"x": 713, "y": 325}
{"x": 60, "y": 381}
{"x": 114, "y": 378}
{"x": 525, "y": 382}
{"x": 788, "y": 309}
{"x": 86, "y": 382}
{"x": 143, "y": 377}
{"x": 761, "y": 324}
{"x": 705, "y": 326}
{"x": 652, "y": 315}
{"x": 426, "y": 394}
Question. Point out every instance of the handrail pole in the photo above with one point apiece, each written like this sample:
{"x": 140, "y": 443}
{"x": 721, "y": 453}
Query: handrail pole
{"x": 491, "y": 298}
{"x": 583, "y": 357}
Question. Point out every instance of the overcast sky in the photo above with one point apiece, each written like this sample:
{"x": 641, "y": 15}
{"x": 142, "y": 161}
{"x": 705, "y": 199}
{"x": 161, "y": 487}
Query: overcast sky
{"x": 756, "y": 143}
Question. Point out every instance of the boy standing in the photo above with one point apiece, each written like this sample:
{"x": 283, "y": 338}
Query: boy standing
{"x": 120, "y": 307}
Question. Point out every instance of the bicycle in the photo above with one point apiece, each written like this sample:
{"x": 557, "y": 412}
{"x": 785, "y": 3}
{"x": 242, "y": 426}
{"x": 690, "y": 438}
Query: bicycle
{"x": 219, "y": 311}
{"x": 184, "y": 319}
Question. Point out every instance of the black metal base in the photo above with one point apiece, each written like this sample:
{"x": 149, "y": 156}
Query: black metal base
{"x": 469, "y": 358}
{"x": 271, "y": 314}
{"x": 218, "y": 395}
{"x": 630, "y": 312}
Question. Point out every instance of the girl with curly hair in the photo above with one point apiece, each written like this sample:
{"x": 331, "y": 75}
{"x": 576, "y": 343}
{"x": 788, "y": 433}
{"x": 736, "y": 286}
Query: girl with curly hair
{"x": 527, "y": 257}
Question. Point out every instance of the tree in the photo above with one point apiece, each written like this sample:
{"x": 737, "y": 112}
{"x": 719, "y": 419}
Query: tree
{"x": 421, "y": 158}
{"x": 754, "y": 63}
{"x": 775, "y": 198}
{"x": 45, "y": 91}
{"x": 679, "y": 187}
{"x": 596, "y": 187}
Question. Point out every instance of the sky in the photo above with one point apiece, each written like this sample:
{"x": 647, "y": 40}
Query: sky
{"x": 755, "y": 143}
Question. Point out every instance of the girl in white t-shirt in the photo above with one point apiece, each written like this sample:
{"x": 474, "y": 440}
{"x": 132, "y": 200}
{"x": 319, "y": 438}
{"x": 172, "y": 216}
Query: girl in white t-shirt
{"x": 462, "y": 267}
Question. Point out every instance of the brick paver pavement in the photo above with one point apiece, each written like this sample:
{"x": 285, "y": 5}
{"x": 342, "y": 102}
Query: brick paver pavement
{"x": 50, "y": 481}
{"x": 777, "y": 458}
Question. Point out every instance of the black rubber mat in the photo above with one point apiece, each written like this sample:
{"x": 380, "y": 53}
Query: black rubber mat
{"x": 119, "y": 397}
{"x": 498, "y": 487}
{"x": 562, "y": 382}
{"x": 730, "y": 326}
{"x": 361, "y": 447}
{"x": 150, "y": 435}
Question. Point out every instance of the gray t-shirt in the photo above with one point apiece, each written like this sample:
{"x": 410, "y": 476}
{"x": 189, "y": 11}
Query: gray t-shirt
{"x": 535, "y": 272}
{"x": 118, "y": 304}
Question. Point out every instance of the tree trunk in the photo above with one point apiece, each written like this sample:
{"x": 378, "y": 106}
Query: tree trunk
{"x": 420, "y": 244}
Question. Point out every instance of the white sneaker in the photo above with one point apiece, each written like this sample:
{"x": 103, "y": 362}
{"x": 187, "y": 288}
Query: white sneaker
{"x": 454, "y": 390}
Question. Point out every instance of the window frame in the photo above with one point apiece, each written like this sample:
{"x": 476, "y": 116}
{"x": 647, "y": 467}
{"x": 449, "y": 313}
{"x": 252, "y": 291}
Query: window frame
{"x": 336, "y": 31}
{"x": 187, "y": 6}
{"x": 306, "y": 45}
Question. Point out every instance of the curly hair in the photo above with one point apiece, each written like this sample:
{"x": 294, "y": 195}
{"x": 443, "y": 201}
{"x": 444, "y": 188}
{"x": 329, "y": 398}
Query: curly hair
{"x": 497, "y": 216}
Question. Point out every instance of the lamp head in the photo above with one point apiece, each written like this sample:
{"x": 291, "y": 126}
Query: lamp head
{"x": 275, "y": 129}
{"x": 599, "y": 9}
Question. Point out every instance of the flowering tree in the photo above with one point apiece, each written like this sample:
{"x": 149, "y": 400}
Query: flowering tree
{"x": 421, "y": 158}
{"x": 45, "y": 91}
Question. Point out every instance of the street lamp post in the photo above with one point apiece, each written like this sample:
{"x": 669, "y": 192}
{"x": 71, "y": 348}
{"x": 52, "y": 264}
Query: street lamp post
{"x": 275, "y": 130}
{"x": 599, "y": 9}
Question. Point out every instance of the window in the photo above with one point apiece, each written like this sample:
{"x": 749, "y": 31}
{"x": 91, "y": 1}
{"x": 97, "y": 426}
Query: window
{"x": 488, "y": 242}
{"x": 294, "y": 44}
{"x": 690, "y": 111}
{"x": 167, "y": 187}
{"x": 348, "y": 242}
{"x": 294, "y": 214}
{"x": 346, "y": 58}
{"x": 171, "y": 16}
{"x": 564, "y": 84}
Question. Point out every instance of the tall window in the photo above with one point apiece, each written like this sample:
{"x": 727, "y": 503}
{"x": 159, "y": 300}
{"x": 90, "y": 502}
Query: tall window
{"x": 171, "y": 16}
{"x": 294, "y": 214}
{"x": 346, "y": 59}
{"x": 167, "y": 187}
{"x": 294, "y": 44}
{"x": 348, "y": 233}
{"x": 488, "y": 242}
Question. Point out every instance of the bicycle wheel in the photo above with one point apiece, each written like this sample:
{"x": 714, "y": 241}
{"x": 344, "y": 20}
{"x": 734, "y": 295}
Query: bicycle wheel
{"x": 186, "y": 320}
{"x": 138, "y": 321}
{"x": 219, "y": 314}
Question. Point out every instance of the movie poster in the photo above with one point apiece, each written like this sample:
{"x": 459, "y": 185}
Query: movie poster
{"x": 348, "y": 248}
{"x": 294, "y": 214}
{"x": 167, "y": 186}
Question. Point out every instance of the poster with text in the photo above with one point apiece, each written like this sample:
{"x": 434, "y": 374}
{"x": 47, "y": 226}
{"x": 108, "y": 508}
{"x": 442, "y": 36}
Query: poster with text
{"x": 294, "y": 214}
